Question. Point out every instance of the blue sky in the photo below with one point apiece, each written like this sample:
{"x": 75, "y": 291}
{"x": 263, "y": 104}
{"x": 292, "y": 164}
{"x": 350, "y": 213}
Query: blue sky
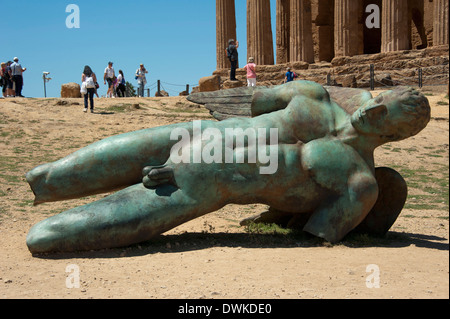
{"x": 175, "y": 39}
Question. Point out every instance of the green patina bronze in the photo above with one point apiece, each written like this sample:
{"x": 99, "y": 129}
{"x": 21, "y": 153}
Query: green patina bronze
{"x": 326, "y": 181}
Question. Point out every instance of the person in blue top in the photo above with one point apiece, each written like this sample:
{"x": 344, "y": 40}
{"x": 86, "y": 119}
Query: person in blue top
{"x": 290, "y": 76}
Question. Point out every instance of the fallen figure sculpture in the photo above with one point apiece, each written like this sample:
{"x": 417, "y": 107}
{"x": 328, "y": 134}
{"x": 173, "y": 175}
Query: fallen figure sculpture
{"x": 321, "y": 175}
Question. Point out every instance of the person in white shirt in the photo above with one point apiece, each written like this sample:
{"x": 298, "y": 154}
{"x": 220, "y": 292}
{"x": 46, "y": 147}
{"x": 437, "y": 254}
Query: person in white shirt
{"x": 109, "y": 77}
{"x": 121, "y": 87}
{"x": 17, "y": 78}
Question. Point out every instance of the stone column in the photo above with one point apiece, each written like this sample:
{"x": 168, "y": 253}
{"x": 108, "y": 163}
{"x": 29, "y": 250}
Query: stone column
{"x": 283, "y": 31}
{"x": 440, "y": 27}
{"x": 346, "y": 28}
{"x": 301, "y": 44}
{"x": 323, "y": 19}
{"x": 395, "y": 34}
{"x": 259, "y": 32}
{"x": 225, "y": 30}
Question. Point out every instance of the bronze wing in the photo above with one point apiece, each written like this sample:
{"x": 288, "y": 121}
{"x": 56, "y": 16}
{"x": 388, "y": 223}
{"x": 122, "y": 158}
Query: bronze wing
{"x": 237, "y": 102}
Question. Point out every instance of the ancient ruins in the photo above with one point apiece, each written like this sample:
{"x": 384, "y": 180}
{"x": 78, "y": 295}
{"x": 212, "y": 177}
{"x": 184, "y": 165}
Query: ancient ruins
{"x": 318, "y": 37}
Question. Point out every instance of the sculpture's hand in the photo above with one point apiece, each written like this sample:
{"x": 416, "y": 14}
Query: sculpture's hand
{"x": 158, "y": 175}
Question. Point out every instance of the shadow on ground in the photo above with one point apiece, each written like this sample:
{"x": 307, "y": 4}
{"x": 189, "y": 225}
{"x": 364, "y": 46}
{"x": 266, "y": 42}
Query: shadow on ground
{"x": 199, "y": 241}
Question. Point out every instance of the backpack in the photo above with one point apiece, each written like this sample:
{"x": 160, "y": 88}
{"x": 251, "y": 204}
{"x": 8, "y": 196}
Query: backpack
{"x": 90, "y": 84}
{"x": 229, "y": 53}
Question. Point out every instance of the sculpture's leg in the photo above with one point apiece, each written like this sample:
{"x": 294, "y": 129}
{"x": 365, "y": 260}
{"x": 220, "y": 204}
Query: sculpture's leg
{"x": 132, "y": 215}
{"x": 393, "y": 192}
{"x": 107, "y": 165}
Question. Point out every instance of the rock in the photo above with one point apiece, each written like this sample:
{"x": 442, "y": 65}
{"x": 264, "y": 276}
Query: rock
{"x": 232, "y": 84}
{"x": 70, "y": 90}
{"x": 161, "y": 93}
{"x": 61, "y": 102}
{"x": 209, "y": 83}
{"x": 195, "y": 89}
{"x": 349, "y": 81}
{"x": 384, "y": 79}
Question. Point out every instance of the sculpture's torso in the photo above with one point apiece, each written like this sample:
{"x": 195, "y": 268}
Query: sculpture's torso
{"x": 308, "y": 122}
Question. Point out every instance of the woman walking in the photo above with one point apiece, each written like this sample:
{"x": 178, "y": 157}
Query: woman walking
{"x": 89, "y": 79}
{"x": 121, "y": 84}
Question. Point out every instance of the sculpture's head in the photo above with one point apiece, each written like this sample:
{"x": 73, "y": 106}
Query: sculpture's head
{"x": 393, "y": 115}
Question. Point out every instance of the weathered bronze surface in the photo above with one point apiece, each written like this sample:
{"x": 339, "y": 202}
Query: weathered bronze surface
{"x": 325, "y": 175}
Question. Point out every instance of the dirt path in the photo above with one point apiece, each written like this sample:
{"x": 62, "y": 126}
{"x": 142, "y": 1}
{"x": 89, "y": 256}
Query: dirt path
{"x": 213, "y": 257}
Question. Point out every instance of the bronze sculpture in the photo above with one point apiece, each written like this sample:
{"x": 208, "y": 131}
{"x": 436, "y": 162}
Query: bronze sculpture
{"x": 324, "y": 170}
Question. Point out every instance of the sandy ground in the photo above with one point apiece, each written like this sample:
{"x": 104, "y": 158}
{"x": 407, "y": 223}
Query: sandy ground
{"x": 212, "y": 256}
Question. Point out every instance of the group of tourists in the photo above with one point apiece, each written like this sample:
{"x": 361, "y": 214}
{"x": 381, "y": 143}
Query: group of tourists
{"x": 250, "y": 67}
{"x": 116, "y": 84}
{"x": 11, "y": 78}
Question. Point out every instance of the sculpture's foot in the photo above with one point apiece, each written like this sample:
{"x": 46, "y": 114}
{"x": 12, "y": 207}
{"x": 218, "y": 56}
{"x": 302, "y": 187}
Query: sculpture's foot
{"x": 36, "y": 178}
{"x": 130, "y": 216}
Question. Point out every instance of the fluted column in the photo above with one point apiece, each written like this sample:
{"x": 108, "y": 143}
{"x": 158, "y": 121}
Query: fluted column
{"x": 301, "y": 43}
{"x": 283, "y": 34}
{"x": 394, "y": 27}
{"x": 225, "y": 30}
{"x": 259, "y": 32}
{"x": 346, "y": 28}
{"x": 440, "y": 28}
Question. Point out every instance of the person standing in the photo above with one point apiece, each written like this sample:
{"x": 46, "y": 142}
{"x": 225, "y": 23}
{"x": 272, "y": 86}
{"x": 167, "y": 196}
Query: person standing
{"x": 89, "y": 79}
{"x": 141, "y": 79}
{"x": 17, "y": 77}
{"x": 121, "y": 84}
{"x": 2, "y": 81}
{"x": 4, "y": 74}
{"x": 233, "y": 56}
{"x": 108, "y": 76}
{"x": 289, "y": 76}
{"x": 251, "y": 72}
